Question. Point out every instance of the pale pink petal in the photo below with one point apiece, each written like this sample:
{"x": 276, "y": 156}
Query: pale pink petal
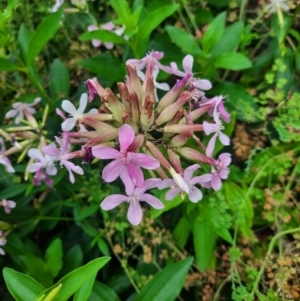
{"x": 172, "y": 193}
{"x": 136, "y": 174}
{"x": 126, "y": 136}
{"x": 187, "y": 63}
{"x": 11, "y": 113}
{"x": 2, "y": 252}
{"x": 135, "y": 213}
{"x": 35, "y": 102}
{"x": 152, "y": 200}
{"x": 216, "y": 182}
{"x": 144, "y": 160}
{"x": 129, "y": 186}
{"x": 112, "y": 170}
{"x": 51, "y": 150}
{"x": 224, "y": 138}
{"x": 225, "y": 158}
{"x": 223, "y": 113}
{"x": 108, "y": 26}
{"x": 69, "y": 107}
{"x": 61, "y": 114}
{"x": 96, "y": 43}
{"x": 201, "y": 179}
{"x": 113, "y": 201}
{"x": 223, "y": 173}
{"x": 71, "y": 166}
{"x": 148, "y": 184}
{"x": 202, "y": 84}
{"x": 174, "y": 70}
{"x": 211, "y": 146}
{"x": 188, "y": 173}
{"x": 104, "y": 152}
{"x": 11, "y": 204}
{"x": 19, "y": 117}
{"x": 68, "y": 124}
{"x": 209, "y": 128}
{"x": 162, "y": 86}
{"x": 51, "y": 170}
{"x": 166, "y": 183}
{"x": 195, "y": 194}
{"x": 82, "y": 103}
{"x": 92, "y": 27}
{"x": 34, "y": 167}
{"x": 35, "y": 153}
{"x": 109, "y": 45}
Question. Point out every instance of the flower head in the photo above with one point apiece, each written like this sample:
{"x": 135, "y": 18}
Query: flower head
{"x": 135, "y": 195}
{"x": 19, "y": 108}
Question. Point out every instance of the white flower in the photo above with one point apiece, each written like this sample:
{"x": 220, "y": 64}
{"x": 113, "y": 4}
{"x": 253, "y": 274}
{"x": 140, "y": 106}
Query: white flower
{"x": 19, "y": 107}
{"x": 274, "y": 4}
{"x": 43, "y": 161}
{"x": 69, "y": 123}
{"x": 57, "y": 5}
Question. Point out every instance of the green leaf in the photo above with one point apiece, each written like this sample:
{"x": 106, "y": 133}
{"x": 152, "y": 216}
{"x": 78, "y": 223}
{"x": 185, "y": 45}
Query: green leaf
{"x": 76, "y": 279}
{"x": 24, "y": 38}
{"x": 4, "y": 40}
{"x": 213, "y": 32}
{"x": 12, "y": 191}
{"x": 7, "y": 13}
{"x": 73, "y": 259}
{"x": 45, "y": 32}
{"x": 53, "y": 257}
{"x": 183, "y": 40}
{"x": 224, "y": 233}
{"x": 122, "y": 9}
{"x": 103, "y": 247}
{"x": 106, "y": 66}
{"x": 103, "y": 36}
{"x": 59, "y": 80}
{"x": 166, "y": 284}
{"x": 232, "y": 61}
{"x": 6, "y": 65}
{"x": 181, "y": 232}
{"x": 102, "y": 292}
{"x": 85, "y": 291}
{"x": 204, "y": 240}
{"x": 155, "y": 18}
{"x": 229, "y": 40}
{"x": 21, "y": 286}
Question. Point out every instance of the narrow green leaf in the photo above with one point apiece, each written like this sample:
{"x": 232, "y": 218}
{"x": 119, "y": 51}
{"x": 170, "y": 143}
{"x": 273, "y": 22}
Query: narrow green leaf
{"x": 53, "y": 257}
{"x": 85, "y": 291}
{"x": 122, "y": 9}
{"x": 59, "y": 80}
{"x": 24, "y": 38}
{"x": 73, "y": 259}
{"x": 204, "y": 240}
{"x": 21, "y": 286}
{"x": 106, "y": 66}
{"x": 181, "y": 232}
{"x": 166, "y": 284}
{"x": 183, "y": 40}
{"x": 232, "y": 61}
{"x": 103, "y": 36}
{"x": 12, "y": 191}
{"x": 155, "y": 18}
{"x": 77, "y": 278}
{"x": 6, "y": 65}
{"x": 213, "y": 32}
{"x": 45, "y": 32}
{"x": 4, "y": 40}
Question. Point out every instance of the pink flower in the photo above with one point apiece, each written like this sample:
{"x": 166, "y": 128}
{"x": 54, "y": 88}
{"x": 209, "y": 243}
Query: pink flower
{"x": 220, "y": 174}
{"x": 135, "y": 195}
{"x": 127, "y": 162}
{"x": 19, "y": 107}
{"x": 109, "y": 27}
{"x": 154, "y": 56}
{"x": 216, "y": 128}
{"x": 2, "y": 243}
{"x": 63, "y": 155}
{"x": 43, "y": 162}
{"x": 195, "y": 194}
{"x": 69, "y": 123}
{"x": 8, "y": 205}
{"x": 187, "y": 64}
{"x": 4, "y": 160}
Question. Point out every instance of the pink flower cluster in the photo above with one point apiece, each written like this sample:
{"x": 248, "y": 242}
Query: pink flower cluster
{"x": 145, "y": 138}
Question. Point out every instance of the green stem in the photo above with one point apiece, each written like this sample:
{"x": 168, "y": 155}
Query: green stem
{"x": 242, "y": 10}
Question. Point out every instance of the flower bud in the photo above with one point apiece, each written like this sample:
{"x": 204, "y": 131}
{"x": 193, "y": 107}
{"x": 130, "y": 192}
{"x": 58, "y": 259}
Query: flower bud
{"x": 180, "y": 139}
{"x": 137, "y": 143}
{"x": 114, "y": 105}
{"x": 175, "y": 161}
{"x": 181, "y": 128}
{"x": 133, "y": 82}
{"x": 157, "y": 154}
{"x": 194, "y": 155}
{"x": 147, "y": 114}
{"x": 104, "y": 137}
{"x": 94, "y": 87}
{"x": 32, "y": 121}
{"x": 194, "y": 115}
{"x": 124, "y": 95}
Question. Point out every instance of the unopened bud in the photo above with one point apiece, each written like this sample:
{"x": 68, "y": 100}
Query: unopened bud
{"x": 32, "y": 121}
{"x": 94, "y": 87}
{"x": 194, "y": 115}
{"x": 114, "y": 105}
{"x": 147, "y": 114}
{"x": 157, "y": 154}
{"x": 104, "y": 137}
{"x": 133, "y": 82}
{"x": 194, "y": 155}
{"x": 180, "y": 139}
{"x": 137, "y": 143}
{"x": 181, "y": 128}
{"x": 175, "y": 161}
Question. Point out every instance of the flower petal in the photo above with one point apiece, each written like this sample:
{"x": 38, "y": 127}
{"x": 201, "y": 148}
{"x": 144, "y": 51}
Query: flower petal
{"x": 34, "y": 167}
{"x": 166, "y": 183}
{"x": 136, "y": 174}
{"x": 113, "y": 201}
{"x": 51, "y": 150}
{"x": 35, "y": 153}
{"x": 201, "y": 179}
{"x": 104, "y": 152}
{"x": 68, "y": 124}
{"x": 134, "y": 213}
{"x": 211, "y": 146}
{"x": 148, "y": 184}
{"x": 112, "y": 170}
{"x": 202, "y": 84}
{"x": 225, "y": 158}
{"x": 11, "y": 113}
{"x": 152, "y": 200}
{"x": 82, "y": 103}
{"x": 144, "y": 160}
{"x": 172, "y": 193}
{"x": 129, "y": 186}
{"x": 69, "y": 107}
{"x": 126, "y": 136}
{"x": 195, "y": 194}
{"x": 224, "y": 138}
{"x": 209, "y": 128}
{"x": 187, "y": 63}
{"x": 51, "y": 170}
{"x": 216, "y": 182}
{"x": 188, "y": 173}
